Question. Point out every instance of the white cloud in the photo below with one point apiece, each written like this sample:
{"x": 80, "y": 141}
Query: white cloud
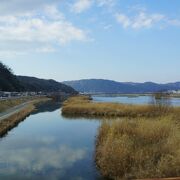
{"x": 109, "y": 3}
{"x": 39, "y": 28}
{"x": 174, "y": 22}
{"x": 47, "y": 26}
{"x": 46, "y": 49}
{"x": 106, "y": 27}
{"x": 142, "y": 20}
{"x": 123, "y": 20}
{"x": 39, "y": 159}
{"x": 81, "y": 5}
{"x": 23, "y": 6}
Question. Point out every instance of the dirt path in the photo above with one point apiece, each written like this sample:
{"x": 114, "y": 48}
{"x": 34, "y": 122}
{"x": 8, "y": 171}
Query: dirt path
{"x": 13, "y": 110}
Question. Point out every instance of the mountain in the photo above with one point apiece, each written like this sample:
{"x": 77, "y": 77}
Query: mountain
{"x": 108, "y": 86}
{"x": 35, "y": 84}
{"x": 11, "y": 82}
{"x": 8, "y": 81}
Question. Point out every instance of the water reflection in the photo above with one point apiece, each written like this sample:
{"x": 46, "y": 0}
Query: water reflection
{"x": 41, "y": 161}
{"x": 48, "y": 146}
{"x": 48, "y": 106}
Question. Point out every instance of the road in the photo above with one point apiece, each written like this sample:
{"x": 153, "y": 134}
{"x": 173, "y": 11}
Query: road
{"x": 13, "y": 110}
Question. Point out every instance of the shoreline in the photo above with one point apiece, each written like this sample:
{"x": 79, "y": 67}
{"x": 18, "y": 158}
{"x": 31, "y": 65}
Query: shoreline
{"x": 83, "y": 106}
{"x": 18, "y": 116}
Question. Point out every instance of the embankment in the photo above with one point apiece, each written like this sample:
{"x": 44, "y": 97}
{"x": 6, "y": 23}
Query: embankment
{"x": 14, "y": 119}
{"x": 9, "y": 103}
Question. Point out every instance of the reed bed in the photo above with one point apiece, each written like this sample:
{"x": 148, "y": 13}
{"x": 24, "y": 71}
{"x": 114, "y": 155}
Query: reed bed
{"x": 143, "y": 143}
{"x": 139, "y": 148}
{"x": 83, "y": 106}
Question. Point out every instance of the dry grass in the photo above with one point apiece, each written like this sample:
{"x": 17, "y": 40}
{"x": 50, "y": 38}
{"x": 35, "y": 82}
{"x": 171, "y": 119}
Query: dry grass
{"x": 83, "y": 106}
{"x": 144, "y": 144}
{"x": 141, "y": 148}
{"x": 12, "y": 121}
{"x": 6, "y": 104}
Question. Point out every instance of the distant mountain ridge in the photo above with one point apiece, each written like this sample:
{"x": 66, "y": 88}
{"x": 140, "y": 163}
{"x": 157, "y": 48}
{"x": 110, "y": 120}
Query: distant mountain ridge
{"x": 109, "y": 86}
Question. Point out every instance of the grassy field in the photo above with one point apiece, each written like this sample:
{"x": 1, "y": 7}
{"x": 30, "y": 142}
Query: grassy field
{"x": 143, "y": 143}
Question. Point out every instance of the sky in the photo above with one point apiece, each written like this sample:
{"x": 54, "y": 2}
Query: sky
{"x": 122, "y": 40}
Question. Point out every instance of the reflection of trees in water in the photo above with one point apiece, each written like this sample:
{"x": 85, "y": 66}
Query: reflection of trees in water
{"x": 49, "y": 106}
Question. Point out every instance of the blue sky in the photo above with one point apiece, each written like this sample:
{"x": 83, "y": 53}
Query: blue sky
{"x": 122, "y": 40}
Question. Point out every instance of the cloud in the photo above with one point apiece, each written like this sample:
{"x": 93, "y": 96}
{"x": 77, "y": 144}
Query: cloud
{"x": 81, "y": 5}
{"x": 22, "y": 6}
{"x": 173, "y": 22}
{"x": 41, "y": 28}
{"x": 46, "y": 49}
{"x": 141, "y": 20}
{"x": 106, "y": 27}
{"x": 38, "y": 160}
{"x": 109, "y": 3}
{"x": 48, "y": 26}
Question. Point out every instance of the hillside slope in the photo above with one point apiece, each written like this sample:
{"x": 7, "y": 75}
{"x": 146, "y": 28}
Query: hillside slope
{"x": 35, "y": 84}
{"x": 11, "y": 82}
{"x": 108, "y": 86}
{"x": 8, "y": 81}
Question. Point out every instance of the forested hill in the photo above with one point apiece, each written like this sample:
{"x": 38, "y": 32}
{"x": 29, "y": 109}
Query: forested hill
{"x": 36, "y": 84}
{"x": 8, "y": 81}
{"x": 108, "y": 86}
{"x": 11, "y": 82}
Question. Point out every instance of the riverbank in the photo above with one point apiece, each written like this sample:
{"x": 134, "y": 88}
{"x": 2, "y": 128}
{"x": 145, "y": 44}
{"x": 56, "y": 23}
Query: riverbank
{"x": 15, "y": 118}
{"x": 144, "y": 143}
{"x": 84, "y": 106}
{"x": 9, "y": 103}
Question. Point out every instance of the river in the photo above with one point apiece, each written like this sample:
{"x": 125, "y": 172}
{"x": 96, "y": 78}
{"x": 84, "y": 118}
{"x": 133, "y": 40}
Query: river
{"x": 48, "y": 146}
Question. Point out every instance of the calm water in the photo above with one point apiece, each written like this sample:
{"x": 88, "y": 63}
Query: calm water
{"x": 51, "y": 147}
{"x": 134, "y": 100}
